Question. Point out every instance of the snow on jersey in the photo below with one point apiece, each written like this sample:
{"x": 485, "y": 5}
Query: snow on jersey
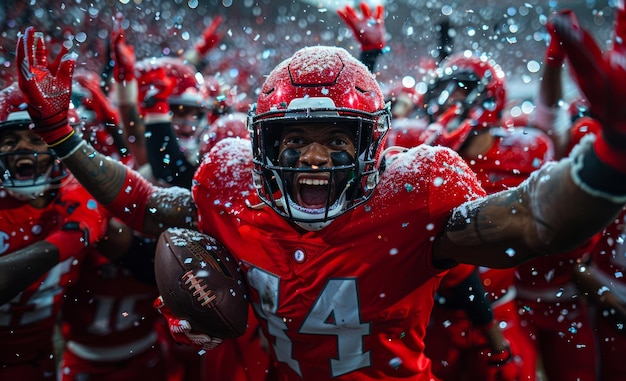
{"x": 351, "y": 301}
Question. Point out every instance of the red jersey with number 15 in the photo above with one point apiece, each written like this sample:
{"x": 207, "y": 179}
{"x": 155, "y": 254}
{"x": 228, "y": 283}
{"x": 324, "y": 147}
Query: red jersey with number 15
{"x": 352, "y": 300}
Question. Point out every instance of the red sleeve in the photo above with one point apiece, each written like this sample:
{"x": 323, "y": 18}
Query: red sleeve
{"x": 456, "y": 275}
{"x": 85, "y": 220}
{"x": 130, "y": 204}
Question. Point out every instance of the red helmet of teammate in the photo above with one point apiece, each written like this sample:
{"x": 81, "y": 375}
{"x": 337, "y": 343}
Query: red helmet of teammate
{"x": 403, "y": 100}
{"x": 227, "y": 126}
{"x": 467, "y": 95}
{"x": 25, "y": 174}
{"x": 188, "y": 100}
{"x": 319, "y": 85}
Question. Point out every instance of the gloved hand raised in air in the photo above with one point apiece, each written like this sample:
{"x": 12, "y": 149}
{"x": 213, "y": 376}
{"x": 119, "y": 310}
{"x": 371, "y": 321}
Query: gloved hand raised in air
{"x": 555, "y": 53}
{"x": 210, "y": 37}
{"x": 181, "y": 330}
{"x": 123, "y": 56}
{"x": 47, "y": 87}
{"x": 602, "y": 80}
{"x": 122, "y": 53}
{"x": 369, "y": 30}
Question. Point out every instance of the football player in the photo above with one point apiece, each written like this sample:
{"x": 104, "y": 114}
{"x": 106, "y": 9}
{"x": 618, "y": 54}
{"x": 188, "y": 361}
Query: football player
{"x": 602, "y": 281}
{"x": 463, "y": 107}
{"x": 108, "y": 323}
{"x": 342, "y": 259}
{"x": 47, "y": 222}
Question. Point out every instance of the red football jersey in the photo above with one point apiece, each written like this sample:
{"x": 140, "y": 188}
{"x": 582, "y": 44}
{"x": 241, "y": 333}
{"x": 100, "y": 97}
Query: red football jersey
{"x": 27, "y": 321}
{"x": 352, "y": 300}
{"x": 516, "y": 153}
{"x": 108, "y": 307}
{"x": 108, "y": 318}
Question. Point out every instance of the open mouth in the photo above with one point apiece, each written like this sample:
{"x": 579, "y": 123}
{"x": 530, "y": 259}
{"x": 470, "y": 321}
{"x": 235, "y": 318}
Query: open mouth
{"x": 312, "y": 192}
{"x": 25, "y": 169}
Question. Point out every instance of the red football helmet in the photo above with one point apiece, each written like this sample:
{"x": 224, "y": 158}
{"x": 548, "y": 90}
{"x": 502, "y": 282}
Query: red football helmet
{"x": 227, "y": 126}
{"x": 467, "y": 95}
{"x": 188, "y": 101}
{"x": 403, "y": 100}
{"x": 324, "y": 85}
{"x": 25, "y": 174}
{"x": 408, "y": 132}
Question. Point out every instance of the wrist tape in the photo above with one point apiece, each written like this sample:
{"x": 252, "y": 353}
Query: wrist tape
{"x": 67, "y": 146}
{"x": 594, "y": 176}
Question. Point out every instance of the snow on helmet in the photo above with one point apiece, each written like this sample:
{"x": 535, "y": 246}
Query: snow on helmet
{"x": 25, "y": 174}
{"x": 226, "y": 126}
{"x": 319, "y": 85}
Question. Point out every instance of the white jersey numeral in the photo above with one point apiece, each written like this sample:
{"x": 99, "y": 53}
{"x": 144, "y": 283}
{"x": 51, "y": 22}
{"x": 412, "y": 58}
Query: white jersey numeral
{"x": 335, "y": 312}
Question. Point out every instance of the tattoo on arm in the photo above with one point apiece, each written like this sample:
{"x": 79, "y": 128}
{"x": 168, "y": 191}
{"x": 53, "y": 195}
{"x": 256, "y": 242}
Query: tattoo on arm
{"x": 101, "y": 176}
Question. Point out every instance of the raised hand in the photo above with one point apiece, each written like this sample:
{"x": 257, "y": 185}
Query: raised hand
{"x": 182, "y": 331}
{"x": 47, "y": 87}
{"x": 369, "y": 30}
{"x": 555, "y": 53}
{"x": 210, "y": 37}
{"x": 122, "y": 53}
{"x": 96, "y": 100}
{"x": 602, "y": 80}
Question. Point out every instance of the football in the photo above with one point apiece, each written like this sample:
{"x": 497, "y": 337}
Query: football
{"x": 201, "y": 282}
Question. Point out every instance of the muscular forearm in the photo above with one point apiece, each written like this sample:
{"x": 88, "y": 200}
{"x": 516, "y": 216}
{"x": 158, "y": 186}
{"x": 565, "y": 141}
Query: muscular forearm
{"x": 23, "y": 267}
{"x": 547, "y": 214}
{"x": 100, "y": 175}
{"x": 128, "y": 195}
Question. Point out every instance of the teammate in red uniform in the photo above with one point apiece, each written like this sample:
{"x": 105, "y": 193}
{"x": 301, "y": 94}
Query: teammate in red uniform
{"x": 342, "y": 261}
{"x": 108, "y": 321}
{"x": 551, "y": 308}
{"x": 108, "y": 324}
{"x": 464, "y": 106}
{"x": 602, "y": 280}
{"x": 46, "y": 222}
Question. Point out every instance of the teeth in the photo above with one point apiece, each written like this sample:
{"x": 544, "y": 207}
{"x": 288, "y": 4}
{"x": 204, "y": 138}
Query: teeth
{"x": 25, "y": 162}
{"x": 313, "y": 181}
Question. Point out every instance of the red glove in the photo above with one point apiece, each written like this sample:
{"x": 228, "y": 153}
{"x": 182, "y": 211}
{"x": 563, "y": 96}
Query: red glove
{"x": 504, "y": 366}
{"x": 122, "y": 53}
{"x": 47, "y": 88}
{"x": 155, "y": 87}
{"x": 210, "y": 37}
{"x": 181, "y": 330}
{"x": 369, "y": 30}
{"x": 98, "y": 102}
{"x": 602, "y": 80}
{"x": 555, "y": 54}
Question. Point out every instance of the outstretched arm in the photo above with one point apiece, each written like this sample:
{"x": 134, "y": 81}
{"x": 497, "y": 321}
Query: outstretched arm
{"x": 564, "y": 203}
{"x": 547, "y": 214}
{"x": 124, "y": 192}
